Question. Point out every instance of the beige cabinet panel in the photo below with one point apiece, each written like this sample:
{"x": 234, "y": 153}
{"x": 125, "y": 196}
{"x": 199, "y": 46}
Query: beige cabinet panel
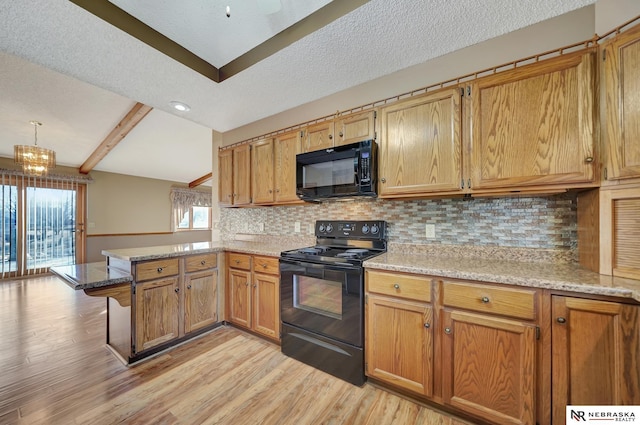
{"x": 157, "y": 307}
{"x": 225, "y": 177}
{"x": 200, "y": 300}
{"x": 266, "y": 305}
{"x": 242, "y": 175}
{"x": 355, "y": 128}
{"x": 318, "y": 136}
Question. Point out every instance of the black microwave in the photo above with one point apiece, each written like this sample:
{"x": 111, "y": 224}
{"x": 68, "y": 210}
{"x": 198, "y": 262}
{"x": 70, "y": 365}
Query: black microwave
{"x": 342, "y": 171}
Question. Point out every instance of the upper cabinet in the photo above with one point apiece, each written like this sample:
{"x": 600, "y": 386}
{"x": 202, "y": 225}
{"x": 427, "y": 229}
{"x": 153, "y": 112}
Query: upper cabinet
{"x": 355, "y": 128}
{"x": 287, "y": 146}
{"x": 262, "y": 177}
{"x": 234, "y": 182}
{"x": 621, "y": 79}
{"x": 420, "y": 147}
{"x": 534, "y": 125}
{"x": 318, "y": 136}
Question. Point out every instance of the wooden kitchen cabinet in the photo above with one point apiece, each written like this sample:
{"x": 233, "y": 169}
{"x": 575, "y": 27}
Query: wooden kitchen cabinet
{"x": 253, "y": 287}
{"x": 354, "y": 128}
{"x": 262, "y": 172}
{"x": 173, "y": 297}
{"x": 621, "y": 79}
{"x": 595, "y": 354}
{"x": 318, "y": 136}
{"x": 534, "y": 126}
{"x": 421, "y": 146}
{"x": 287, "y": 146}
{"x": 234, "y": 176}
{"x": 489, "y": 355}
{"x": 399, "y": 331}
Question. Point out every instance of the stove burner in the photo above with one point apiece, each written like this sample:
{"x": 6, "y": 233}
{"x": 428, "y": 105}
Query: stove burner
{"x": 313, "y": 250}
{"x": 353, "y": 253}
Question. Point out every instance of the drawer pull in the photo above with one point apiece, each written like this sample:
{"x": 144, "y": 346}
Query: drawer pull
{"x": 203, "y": 262}
{"x": 396, "y": 286}
{"x": 427, "y": 325}
{"x": 255, "y": 285}
{"x": 264, "y": 265}
{"x": 447, "y": 330}
{"x": 237, "y": 261}
{"x": 188, "y": 286}
{"x": 159, "y": 269}
{"x": 561, "y": 320}
{"x": 485, "y": 299}
{"x": 177, "y": 290}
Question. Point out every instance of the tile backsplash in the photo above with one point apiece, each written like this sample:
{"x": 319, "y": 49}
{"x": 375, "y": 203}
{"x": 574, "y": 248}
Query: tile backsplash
{"x": 524, "y": 222}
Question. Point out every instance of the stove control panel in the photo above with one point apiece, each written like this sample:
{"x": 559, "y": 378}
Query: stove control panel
{"x": 358, "y": 229}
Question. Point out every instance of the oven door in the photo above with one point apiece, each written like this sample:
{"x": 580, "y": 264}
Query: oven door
{"x": 325, "y": 299}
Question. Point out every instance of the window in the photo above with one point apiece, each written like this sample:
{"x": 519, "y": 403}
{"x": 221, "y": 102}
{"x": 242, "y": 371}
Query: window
{"x": 191, "y": 209}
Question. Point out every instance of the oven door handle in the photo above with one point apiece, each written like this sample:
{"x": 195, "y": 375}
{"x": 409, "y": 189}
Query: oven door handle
{"x": 319, "y": 266}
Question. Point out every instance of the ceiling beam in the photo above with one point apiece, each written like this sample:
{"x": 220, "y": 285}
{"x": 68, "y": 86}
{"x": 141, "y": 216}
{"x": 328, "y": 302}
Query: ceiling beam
{"x": 198, "y": 182}
{"x": 120, "y": 131}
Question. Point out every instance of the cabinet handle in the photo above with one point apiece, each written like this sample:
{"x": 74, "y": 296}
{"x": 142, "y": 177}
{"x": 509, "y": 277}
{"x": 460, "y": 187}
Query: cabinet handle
{"x": 561, "y": 320}
{"x": 177, "y": 290}
{"x": 341, "y": 134}
{"x": 330, "y": 137}
{"x": 588, "y": 159}
{"x": 469, "y": 184}
{"x": 383, "y": 180}
{"x": 159, "y": 269}
{"x": 255, "y": 285}
{"x": 237, "y": 261}
{"x": 447, "y": 330}
{"x": 461, "y": 183}
{"x": 188, "y": 286}
{"x": 246, "y": 284}
{"x": 277, "y": 190}
{"x": 485, "y": 299}
{"x": 270, "y": 191}
{"x": 396, "y": 286}
{"x": 203, "y": 262}
{"x": 427, "y": 325}
{"x": 264, "y": 265}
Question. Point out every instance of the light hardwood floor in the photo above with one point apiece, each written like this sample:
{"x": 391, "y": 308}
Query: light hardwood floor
{"x": 55, "y": 369}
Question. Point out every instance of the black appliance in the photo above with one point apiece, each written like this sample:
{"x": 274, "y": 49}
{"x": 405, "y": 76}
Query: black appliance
{"x": 342, "y": 171}
{"x": 322, "y": 297}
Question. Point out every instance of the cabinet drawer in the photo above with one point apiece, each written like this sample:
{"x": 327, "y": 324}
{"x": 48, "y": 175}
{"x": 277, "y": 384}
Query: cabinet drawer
{"x": 413, "y": 287}
{"x": 267, "y": 265}
{"x": 505, "y": 301}
{"x": 239, "y": 261}
{"x": 196, "y": 263}
{"x": 156, "y": 269}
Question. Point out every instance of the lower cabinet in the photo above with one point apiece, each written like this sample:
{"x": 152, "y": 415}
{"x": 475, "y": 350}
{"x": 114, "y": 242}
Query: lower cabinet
{"x": 596, "y": 354}
{"x": 253, "y": 293}
{"x": 173, "y": 298}
{"x": 484, "y": 338}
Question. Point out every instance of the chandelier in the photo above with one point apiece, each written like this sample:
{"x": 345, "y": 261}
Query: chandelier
{"x": 34, "y": 159}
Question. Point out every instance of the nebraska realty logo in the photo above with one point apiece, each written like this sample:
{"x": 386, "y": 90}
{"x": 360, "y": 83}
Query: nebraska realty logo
{"x": 602, "y": 414}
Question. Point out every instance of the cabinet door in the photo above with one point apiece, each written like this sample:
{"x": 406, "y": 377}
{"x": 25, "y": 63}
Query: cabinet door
{"x": 266, "y": 305}
{"x": 489, "y": 367}
{"x": 200, "y": 300}
{"x": 622, "y": 85}
{"x": 534, "y": 126}
{"x": 157, "y": 313}
{"x": 355, "y": 128}
{"x": 287, "y": 146}
{"x": 399, "y": 343}
{"x": 225, "y": 177}
{"x": 318, "y": 136}
{"x": 595, "y": 354}
{"x": 239, "y": 294}
{"x": 420, "y": 145}
{"x": 262, "y": 181}
{"x": 242, "y": 175}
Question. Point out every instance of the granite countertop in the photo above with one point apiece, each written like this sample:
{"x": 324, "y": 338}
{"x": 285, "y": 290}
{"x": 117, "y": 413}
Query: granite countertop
{"x": 90, "y": 275}
{"x": 272, "y": 249}
{"x": 559, "y": 276}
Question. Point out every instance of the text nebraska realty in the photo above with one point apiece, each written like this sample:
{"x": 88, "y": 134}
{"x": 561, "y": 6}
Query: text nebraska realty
{"x": 612, "y": 416}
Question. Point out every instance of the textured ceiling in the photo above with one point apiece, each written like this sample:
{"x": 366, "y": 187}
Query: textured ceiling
{"x": 100, "y": 72}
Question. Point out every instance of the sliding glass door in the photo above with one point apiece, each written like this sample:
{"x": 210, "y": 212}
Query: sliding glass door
{"x": 43, "y": 224}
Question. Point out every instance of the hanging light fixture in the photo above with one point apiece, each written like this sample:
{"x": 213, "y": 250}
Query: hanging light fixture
{"x": 34, "y": 159}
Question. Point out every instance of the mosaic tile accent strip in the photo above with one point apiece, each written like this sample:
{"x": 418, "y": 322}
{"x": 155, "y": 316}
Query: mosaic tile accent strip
{"x": 525, "y": 222}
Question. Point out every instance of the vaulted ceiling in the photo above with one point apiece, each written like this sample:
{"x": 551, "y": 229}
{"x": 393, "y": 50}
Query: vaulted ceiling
{"x": 72, "y": 66}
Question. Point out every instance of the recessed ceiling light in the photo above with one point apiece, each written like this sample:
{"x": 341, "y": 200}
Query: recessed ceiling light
{"x": 179, "y": 106}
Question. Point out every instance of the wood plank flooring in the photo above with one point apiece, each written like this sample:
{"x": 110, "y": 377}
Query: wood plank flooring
{"x": 55, "y": 369}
